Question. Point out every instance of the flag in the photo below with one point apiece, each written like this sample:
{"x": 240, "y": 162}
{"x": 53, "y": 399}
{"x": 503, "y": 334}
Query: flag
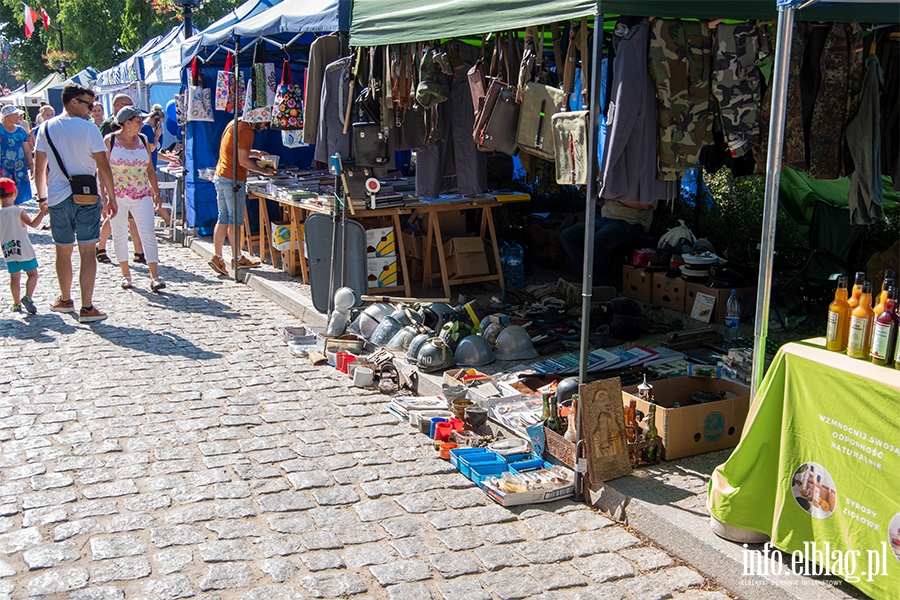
{"x": 46, "y": 18}
{"x": 31, "y": 17}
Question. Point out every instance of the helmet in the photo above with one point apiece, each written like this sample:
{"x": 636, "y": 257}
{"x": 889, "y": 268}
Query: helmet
{"x": 434, "y": 355}
{"x": 415, "y": 345}
{"x": 491, "y": 332}
{"x": 437, "y": 314}
{"x": 402, "y": 338}
{"x": 514, "y": 343}
{"x": 566, "y": 388}
{"x": 387, "y": 329}
{"x": 474, "y": 351}
{"x": 371, "y": 317}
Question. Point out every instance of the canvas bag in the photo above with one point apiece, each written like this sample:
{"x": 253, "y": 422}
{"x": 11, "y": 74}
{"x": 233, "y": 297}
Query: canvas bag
{"x": 291, "y": 138}
{"x": 253, "y": 114}
{"x": 287, "y": 111}
{"x": 226, "y": 95}
{"x": 535, "y": 132}
{"x": 570, "y": 138}
{"x": 199, "y": 99}
{"x": 263, "y": 77}
{"x": 180, "y": 107}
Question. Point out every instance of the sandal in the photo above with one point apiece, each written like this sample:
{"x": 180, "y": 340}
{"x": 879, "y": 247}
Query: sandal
{"x": 102, "y": 257}
{"x": 139, "y": 258}
{"x": 126, "y": 283}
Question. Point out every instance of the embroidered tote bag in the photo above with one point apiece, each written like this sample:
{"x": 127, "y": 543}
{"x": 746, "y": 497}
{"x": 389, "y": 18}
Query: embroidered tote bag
{"x": 225, "y": 92}
{"x": 287, "y": 112}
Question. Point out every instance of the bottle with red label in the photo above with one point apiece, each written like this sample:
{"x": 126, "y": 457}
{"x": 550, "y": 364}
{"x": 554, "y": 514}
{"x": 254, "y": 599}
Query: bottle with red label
{"x": 884, "y": 331}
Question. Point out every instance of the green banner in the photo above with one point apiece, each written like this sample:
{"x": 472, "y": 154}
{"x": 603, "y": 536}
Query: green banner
{"x": 818, "y": 468}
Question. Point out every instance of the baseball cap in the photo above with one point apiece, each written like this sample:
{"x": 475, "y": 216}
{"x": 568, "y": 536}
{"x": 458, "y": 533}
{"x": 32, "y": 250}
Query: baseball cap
{"x": 129, "y": 112}
{"x": 9, "y": 109}
{"x": 8, "y": 186}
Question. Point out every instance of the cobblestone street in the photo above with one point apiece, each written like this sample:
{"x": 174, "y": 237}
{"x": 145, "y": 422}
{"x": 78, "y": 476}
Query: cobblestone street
{"x": 179, "y": 450}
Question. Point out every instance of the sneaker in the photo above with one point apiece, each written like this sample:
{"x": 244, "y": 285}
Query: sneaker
{"x": 244, "y": 262}
{"x": 28, "y": 304}
{"x": 90, "y": 315}
{"x": 218, "y": 265}
{"x": 16, "y": 308}
{"x": 126, "y": 283}
{"x": 157, "y": 284}
{"x": 62, "y": 306}
{"x": 140, "y": 258}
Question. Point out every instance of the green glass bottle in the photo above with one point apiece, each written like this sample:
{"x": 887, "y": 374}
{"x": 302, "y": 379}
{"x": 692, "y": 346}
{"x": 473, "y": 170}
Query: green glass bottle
{"x": 648, "y": 454}
{"x": 545, "y": 410}
{"x": 553, "y": 421}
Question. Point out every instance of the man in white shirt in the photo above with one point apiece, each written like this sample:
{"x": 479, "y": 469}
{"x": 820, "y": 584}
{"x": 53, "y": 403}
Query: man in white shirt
{"x": 80, "y": 146}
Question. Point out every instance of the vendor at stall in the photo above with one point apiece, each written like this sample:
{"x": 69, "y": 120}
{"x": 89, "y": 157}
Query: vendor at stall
{"x": 620, "y": 223}
{"x": 231, "y": 213}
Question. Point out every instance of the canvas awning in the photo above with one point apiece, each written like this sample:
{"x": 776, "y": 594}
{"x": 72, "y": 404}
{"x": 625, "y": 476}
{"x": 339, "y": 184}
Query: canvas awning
{"x": 191, "y": 47}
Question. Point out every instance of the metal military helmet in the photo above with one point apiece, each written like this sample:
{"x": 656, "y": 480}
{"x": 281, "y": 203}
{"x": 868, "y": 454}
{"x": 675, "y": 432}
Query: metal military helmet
{"x": 371, "y": 317}
{"x": 474, "y": 351}
{"x": 435, "y": 355}
{"x": 415, "y": 345}
{"x": 566, "y": 388}
{"x": 402, "y": 338}
{"x": 437, "y": 314}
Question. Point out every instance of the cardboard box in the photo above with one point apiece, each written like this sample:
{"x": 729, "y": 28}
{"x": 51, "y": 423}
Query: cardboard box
{"x": 465, "y": 257}
{"x": 668, "y": 292}
{"x": 381, "y": 242}
{"x": 695, "y": 428}
{"x": 456, "y": 376}
{"x": 453, "y": 223}
{"x": 382, "y": 271}
{"x": 412, "y": 245}
{"x": 637, "y": 283}
{"x": 747, "y": 296}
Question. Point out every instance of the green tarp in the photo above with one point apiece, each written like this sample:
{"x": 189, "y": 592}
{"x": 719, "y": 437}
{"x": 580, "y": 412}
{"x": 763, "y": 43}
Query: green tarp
{"x": 378, "y": 22}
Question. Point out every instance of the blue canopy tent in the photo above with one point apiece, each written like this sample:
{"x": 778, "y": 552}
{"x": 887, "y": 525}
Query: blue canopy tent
{"x": 285, "y": 30}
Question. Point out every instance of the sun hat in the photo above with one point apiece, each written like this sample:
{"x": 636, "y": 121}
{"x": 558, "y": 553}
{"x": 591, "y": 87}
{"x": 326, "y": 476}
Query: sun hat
{"x": 9, "y": 109}
{"x": 128, "y": 112}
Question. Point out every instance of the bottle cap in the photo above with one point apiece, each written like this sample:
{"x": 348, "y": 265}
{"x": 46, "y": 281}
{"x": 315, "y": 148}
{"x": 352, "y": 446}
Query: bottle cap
{"x": 867, "y": 287}
{"x": 842, "y": 281}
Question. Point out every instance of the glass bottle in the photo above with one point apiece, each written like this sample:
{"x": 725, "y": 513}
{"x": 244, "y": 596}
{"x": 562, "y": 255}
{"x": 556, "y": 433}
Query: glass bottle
{"x": 886, "y": 285}
{"x": 553, "y": 421}
{"x": 838, "y": 319}
{"x": 630, "y": 420}
{"x": 860, "y": 340}
{"x": 817, "y": 491}
{"x": 884, "y": 330}
{"x": 545, "y": 406}
{"x": 857, "y": 289}
{"x": 810, "y": 483}
{"x": 571, "y": 430}
{"x": 649, "y": 454}
{"x": 732, "y": 318}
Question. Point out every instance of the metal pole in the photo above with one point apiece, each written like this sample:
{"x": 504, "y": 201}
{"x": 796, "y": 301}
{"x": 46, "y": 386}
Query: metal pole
{"x": 188, "y": 16}
{"x": 770, "y": 206}
{"x": 59, "y": 29}
{"x": 590, "y": 213}
{"x": 236, "y": 249}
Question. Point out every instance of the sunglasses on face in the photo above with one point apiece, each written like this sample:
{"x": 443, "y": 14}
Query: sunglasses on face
{"x": 91, "y": 104}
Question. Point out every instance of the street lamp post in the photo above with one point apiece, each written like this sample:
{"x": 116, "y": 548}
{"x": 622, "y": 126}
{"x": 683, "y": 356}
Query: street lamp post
{"x": 187, "y": 13}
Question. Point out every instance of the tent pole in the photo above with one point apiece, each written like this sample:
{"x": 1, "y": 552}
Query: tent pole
{"x": 770, "y": 207}
{"x": 236, "y": 240}
{"x": 590, "y": 213}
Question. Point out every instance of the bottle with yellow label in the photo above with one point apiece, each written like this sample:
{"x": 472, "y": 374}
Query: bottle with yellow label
{"x": 838, "y": 319}
{"x": 884, "y": 330}
{"x": 857, "y": 289}
{"x": 860, "y": 339}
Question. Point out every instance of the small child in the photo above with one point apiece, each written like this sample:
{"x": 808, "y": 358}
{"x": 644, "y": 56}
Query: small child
{"x": 17, "y": 248}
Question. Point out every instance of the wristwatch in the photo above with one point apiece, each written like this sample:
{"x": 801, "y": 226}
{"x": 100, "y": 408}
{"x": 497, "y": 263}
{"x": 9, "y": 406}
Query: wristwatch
{"x": 44, "y": 199}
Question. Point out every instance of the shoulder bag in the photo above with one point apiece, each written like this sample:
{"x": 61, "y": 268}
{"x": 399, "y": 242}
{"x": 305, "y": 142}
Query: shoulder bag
{"x": 84, "y": 187}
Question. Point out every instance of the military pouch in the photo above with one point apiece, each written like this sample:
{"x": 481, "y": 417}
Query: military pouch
{"x": 539, "y": 104}
{"x": 420, "y": 128}
{"x": 500, "y": 132}
{"x": 570, "y": 137}
{"x": 371, "y": 144}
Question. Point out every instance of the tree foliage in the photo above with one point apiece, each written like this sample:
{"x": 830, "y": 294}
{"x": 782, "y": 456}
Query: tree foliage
{"x": 101, "y": 32}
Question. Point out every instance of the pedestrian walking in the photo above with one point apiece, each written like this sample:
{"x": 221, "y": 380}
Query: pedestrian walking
{"x": 78, "y": 153}
{"x": 137, "y": 192}
{"x": 16, "y": 161}
{"x": 17, "y": 249}
{"x": 97, "y": 113}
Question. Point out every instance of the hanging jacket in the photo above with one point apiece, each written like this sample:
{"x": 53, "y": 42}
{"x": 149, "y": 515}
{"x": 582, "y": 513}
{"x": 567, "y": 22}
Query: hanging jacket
{"x": 864, "y": 138}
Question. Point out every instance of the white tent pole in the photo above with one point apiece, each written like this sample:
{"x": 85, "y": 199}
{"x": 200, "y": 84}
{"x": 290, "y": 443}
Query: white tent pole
{"x": 773, "y": 174}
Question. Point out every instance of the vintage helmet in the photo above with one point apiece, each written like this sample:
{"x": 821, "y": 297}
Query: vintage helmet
{"x": 415, "y": 345}
{"x": 371, "y": 317}
{"x": 566, "y": 388}
{"x": 492, "y": 332}
{"x": 514, "y": 343}
{"x": 434, "y": 355}
{"x": 474, "y": 351}
{"x": 402, "y": 338}
{"x": 387, "y": 329}
{"x": 435, "y": 315}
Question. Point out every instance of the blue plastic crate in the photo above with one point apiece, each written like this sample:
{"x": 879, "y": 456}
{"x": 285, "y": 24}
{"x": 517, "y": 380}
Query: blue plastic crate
{"x": 481, "y": 471}
{"x": 458, "y": 453}
{"x": 529, "y": 465}
{"x": 467, "y": 463}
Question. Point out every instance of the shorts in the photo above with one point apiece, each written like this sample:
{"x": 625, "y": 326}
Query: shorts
{"x": 17, "y": 266}
{"x": 225, "y": 199}
{"x": 70, "y": 221}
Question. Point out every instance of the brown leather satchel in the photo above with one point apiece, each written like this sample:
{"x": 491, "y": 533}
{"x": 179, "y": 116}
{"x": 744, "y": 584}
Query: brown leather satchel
{"x": 500, "y": 132}
{"x": 478, "y": 80}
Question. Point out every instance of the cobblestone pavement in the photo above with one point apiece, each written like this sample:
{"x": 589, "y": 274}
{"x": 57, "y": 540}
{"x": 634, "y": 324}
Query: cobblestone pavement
{"x": 178, "y": 450}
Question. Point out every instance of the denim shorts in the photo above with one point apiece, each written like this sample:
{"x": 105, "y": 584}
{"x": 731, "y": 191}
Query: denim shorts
{"x": 70, "y": 221}
{"x": 225, "y": 199}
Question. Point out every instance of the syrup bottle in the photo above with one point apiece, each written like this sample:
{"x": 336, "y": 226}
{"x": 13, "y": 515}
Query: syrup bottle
{"x": 884, "y": 330}
{"x": 857, "y": 289}
{"x": 861, "y": 318}
{"x": 887, "y": 284}
{"x": 838, "y": 319}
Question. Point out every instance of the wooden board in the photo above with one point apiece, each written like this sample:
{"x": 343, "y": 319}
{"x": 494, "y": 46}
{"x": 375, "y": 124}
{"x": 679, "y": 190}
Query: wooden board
{"x": 603, "y": 429}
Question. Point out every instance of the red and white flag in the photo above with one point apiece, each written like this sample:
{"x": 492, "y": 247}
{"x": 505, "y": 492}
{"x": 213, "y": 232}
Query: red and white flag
{"x": 45, "y": 18}
{"x": 31, "y": 17}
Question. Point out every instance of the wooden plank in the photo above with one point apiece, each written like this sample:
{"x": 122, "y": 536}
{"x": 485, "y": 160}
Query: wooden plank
{"x": 603, "y": 429}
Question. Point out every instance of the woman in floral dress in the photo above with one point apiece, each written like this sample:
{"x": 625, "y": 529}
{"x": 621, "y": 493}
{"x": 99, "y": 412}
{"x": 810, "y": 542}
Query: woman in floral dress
{"x": 16, "y": 154}
{"x": 137, "y": 191}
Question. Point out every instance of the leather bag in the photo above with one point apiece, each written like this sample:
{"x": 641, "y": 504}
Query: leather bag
{"x": 420, "y": 128}
{"x": 570, "y": 136}
{"x": 535, "y": 132}
{"x": 478, "y": 80}
{"x": 500, "y": 132}
{"x": 371, "y": 145}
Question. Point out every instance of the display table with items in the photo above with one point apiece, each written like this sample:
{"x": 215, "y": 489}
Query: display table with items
{"x": 817, "y": 468}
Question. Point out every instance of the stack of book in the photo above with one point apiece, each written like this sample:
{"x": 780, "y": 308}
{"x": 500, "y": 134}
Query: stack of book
{"x": 401, "y": 406}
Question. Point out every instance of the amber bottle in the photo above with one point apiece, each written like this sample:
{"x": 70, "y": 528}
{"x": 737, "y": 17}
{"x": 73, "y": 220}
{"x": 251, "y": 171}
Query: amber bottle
{"x": 838, "y": 319}
{"x": 860, "y": 340}
{"x": 857, "y": 289}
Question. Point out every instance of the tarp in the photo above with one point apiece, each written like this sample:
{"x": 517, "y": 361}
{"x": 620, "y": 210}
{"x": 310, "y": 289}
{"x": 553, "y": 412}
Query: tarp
{"x": 377, "y": 22}
{"x": 288, "y": 19}
{"x": 53, "y": 93}
{"x": 35, "y": 92}
{"x": 11, "y": 97}
{"x": 207, "y": 37}
{"x": 144, "y": 64}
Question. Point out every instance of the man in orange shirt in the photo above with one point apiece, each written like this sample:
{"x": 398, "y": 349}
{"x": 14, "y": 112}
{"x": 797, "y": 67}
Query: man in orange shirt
{"x": 231, "y": 213}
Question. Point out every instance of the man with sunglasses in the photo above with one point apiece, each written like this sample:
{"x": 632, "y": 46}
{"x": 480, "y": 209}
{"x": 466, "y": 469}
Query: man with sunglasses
{"x": 80, "y": 147}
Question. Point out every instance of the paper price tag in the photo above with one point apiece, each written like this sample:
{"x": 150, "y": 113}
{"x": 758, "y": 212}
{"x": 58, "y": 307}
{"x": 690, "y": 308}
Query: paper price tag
{"x": 581, "y": 465}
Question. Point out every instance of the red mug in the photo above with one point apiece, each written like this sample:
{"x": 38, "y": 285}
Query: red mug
{"x": 442, "y": 431}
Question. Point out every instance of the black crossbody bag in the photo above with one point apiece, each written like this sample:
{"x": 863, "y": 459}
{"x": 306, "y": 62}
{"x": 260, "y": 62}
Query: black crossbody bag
{"x": 84, "y": 187}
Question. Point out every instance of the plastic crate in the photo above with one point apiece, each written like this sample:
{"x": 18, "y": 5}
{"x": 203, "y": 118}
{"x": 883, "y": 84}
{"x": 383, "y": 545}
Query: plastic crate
{"x": 458, "y": 453}
{"x": 481, "y": 471}
{"x": 468, "y": 463}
